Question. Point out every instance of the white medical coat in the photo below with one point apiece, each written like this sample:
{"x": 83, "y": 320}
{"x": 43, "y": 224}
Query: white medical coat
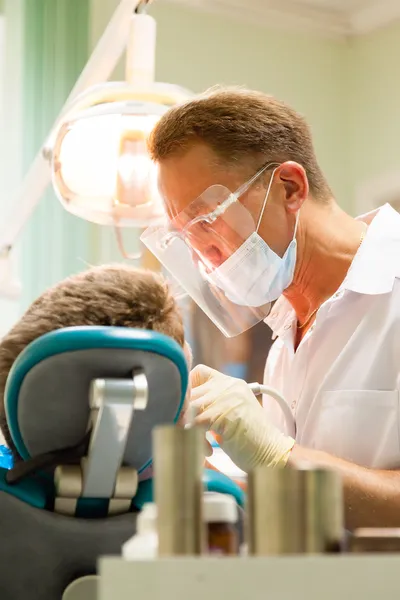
{"x": 343, "y": 381}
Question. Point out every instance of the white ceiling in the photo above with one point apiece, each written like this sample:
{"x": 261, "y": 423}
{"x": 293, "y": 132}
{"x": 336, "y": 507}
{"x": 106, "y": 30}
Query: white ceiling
{"x": 331, "y": 17}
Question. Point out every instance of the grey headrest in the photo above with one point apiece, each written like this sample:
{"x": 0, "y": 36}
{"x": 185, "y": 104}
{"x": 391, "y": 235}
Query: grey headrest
{"x": 53, "y": 396}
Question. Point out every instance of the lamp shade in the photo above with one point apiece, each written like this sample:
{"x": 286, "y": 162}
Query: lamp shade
{"x": 101, "y": 169}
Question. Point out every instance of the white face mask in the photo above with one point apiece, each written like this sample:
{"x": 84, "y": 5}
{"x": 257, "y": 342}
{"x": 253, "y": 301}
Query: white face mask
{"x": 254, "y": 274}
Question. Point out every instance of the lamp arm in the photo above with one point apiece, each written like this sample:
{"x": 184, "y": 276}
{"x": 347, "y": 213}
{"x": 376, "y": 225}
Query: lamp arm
{"x": 99, "y": 67}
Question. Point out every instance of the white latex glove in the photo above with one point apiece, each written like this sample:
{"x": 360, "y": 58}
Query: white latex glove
{"x": 229, "y": 408}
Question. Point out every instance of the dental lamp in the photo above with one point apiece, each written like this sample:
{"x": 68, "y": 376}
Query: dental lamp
{"x": 95, "y": 154}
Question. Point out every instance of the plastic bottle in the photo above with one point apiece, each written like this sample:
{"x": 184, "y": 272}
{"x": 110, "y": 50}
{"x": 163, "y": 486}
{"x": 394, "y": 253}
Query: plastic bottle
{"x": 143, "y": 545}
{"x": 221, "y": 517}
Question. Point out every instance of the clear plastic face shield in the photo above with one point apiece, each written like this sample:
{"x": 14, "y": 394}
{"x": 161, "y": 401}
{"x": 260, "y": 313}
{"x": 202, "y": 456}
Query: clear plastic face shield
{"x": 197, "y": 244}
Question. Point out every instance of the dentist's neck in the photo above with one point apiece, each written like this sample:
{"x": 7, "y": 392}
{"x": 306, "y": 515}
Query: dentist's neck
{"x": 327, "y": 241}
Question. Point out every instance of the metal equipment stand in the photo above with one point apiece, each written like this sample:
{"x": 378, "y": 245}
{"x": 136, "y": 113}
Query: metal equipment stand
{"x": 101, "y": 474}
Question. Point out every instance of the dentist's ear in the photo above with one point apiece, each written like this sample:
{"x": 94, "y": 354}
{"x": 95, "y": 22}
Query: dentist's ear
{"x": 295, "y": 183}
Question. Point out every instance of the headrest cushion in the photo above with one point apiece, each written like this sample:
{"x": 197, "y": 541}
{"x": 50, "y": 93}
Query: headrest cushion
{"x": 47, "y": 392}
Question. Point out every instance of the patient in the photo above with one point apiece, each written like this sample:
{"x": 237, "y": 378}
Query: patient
{"x": 114, "y": 296}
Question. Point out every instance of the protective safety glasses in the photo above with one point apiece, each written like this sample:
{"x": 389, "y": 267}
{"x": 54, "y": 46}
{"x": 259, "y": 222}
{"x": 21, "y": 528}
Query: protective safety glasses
{"x": 194, "y": 244}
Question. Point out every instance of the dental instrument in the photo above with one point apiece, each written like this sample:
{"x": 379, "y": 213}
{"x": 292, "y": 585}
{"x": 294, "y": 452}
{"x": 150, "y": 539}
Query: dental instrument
{"x": 259, "y": 389}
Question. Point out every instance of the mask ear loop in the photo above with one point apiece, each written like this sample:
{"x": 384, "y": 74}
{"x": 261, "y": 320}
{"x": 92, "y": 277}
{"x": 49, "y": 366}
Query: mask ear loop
{"x": 265, "y": 199}
{"x": 296, "y": 224}
{"x": 265, "y": 202}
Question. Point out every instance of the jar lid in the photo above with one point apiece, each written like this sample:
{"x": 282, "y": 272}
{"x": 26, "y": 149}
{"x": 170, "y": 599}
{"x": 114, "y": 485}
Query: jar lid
{"x": 219, "y": 508}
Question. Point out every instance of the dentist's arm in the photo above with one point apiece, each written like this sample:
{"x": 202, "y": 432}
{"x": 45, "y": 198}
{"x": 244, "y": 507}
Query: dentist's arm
{"x": 372, "y": 497}
{"x": 229, "y": 408}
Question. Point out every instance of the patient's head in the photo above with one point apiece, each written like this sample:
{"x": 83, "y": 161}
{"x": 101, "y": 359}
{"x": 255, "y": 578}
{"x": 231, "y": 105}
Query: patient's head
{"x": 114, "y": 295}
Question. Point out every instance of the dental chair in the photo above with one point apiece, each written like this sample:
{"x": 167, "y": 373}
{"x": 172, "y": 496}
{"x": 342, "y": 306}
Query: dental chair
{"x": 81, "y": 404}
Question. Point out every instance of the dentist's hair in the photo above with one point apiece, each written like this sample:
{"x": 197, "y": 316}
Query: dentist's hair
{"x": 241, "y": 127}
{"x": 114, "y": 296}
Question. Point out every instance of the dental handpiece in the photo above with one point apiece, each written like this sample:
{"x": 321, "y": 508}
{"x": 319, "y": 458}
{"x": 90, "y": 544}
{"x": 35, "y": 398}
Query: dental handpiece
{"x": 259, "y": 388}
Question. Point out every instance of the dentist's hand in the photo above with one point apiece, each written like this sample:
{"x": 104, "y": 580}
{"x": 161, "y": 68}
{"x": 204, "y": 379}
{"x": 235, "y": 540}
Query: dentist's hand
{"x": 229, "y": 408}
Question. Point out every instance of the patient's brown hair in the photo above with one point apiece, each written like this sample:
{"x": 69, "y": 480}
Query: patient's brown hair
{"x": 114, "y": 296}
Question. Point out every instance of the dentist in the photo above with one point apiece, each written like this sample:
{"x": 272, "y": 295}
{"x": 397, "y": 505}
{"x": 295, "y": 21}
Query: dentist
{"x": 247, "y": 199}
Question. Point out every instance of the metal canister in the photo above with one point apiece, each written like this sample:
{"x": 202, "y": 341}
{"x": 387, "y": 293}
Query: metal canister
{"x": 323, "y": 510}
{"x": 178, "y": 469}
{"x": 274, "y": 515}
{"x": 294, "y": 511}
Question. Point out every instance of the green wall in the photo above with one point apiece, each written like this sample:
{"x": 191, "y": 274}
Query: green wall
{"x": 374, "y": 105}
{"x": 56, "y": 48}
{"x": 12, "y": 134}
{"x": 309, "y": 72}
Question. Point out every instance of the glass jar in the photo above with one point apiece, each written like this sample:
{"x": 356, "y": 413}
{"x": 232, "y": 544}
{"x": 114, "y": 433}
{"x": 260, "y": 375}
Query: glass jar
{"x": 221, "y": 518}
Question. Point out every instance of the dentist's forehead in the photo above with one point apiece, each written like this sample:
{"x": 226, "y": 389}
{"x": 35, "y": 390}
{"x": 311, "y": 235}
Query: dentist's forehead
{"x": 182, "y": 179}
